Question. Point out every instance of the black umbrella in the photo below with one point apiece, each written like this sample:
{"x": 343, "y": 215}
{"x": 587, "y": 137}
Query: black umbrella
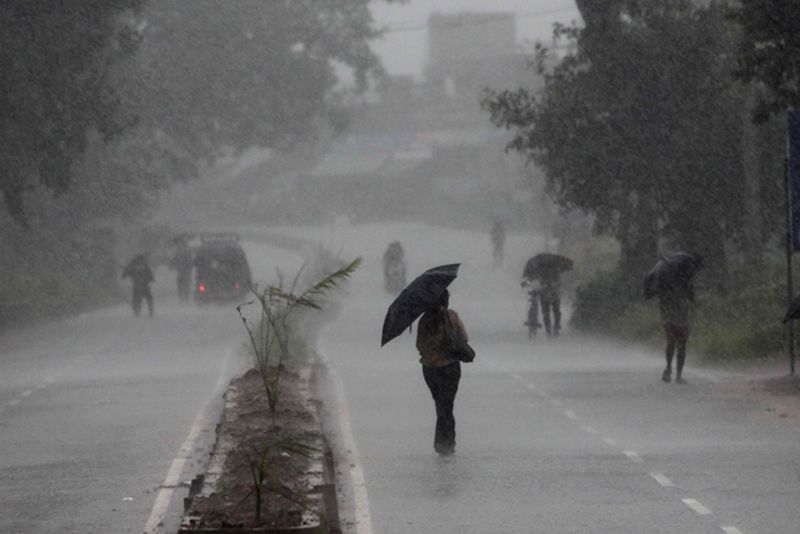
{"x": 546, "y": 263}
{"x": 416, "y": 298}
{"x": 794, "y": 309}
{"x": 671, "y": 272}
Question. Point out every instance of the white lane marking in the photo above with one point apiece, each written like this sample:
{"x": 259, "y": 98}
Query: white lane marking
{"x": 517, "y": 376}
{"x": 696, "y": 506}
{"x": 543, "y": 394}
{"x": 172, "y": 479}
{"x": 26, "y": 393}
{"x": 663, "y": 480}
{"x": 570, "y": 414}
{"x": 13, "y": 402}
{"x": 530, "y": 386}
{"x": 609, "y": 441}
{"x": 731, "y": 530}
{"x": 556, "y": 402}
{"x": 633, "y": 456}
{"x": 589, "y": 429}
{"x": 360, "y": 497}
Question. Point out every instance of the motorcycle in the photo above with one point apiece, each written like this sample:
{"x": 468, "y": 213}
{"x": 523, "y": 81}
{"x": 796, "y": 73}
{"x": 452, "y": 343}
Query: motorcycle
{"x": 394, "y": 273}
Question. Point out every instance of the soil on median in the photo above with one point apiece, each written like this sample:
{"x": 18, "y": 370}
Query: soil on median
{"x": 247, "y": 427}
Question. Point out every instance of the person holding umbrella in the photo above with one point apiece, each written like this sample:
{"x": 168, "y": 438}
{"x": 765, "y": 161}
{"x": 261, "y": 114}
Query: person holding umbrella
{"x": 547, "y": 269}
{"x": 671, "y": 280}
{"x": 427, "y": 296}
{"x": 442, "y": 372}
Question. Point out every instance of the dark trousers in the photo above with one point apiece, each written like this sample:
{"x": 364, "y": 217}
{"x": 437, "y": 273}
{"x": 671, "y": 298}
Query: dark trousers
{"x": 139, "y": 293}
{"x": 443, "y": 383}
{"x": 551, "y": 304}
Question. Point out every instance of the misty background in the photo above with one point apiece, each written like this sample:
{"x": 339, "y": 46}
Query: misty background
{"x": 640, "y": 128}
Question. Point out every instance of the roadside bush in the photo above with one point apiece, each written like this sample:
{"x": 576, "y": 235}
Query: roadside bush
{"x": 744, "y": 325}
{"x": 26, "y": 297}
{"x": 600, "y": 301}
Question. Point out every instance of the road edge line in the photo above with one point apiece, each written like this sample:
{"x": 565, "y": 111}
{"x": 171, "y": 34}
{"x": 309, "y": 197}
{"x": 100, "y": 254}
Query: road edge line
{"x": 164, "y": 497}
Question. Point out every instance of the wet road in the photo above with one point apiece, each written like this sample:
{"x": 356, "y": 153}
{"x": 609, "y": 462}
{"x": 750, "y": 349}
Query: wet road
{"x": 105, "y": 418}
{"x": 554, "y": 436}
{"x": 95, "y": 412}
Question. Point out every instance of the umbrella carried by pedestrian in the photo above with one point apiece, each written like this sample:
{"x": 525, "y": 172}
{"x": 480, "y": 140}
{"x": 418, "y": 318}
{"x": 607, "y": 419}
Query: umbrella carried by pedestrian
{"x": 673, "y": 271}
{"x": 417, "y": 297}
{"x": 793, "y": 312}
{"x": 671, "y": 280}
{"x": 546, "y": 263}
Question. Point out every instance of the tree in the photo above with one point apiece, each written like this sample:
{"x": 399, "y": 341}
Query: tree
{"x": 637, "y": 127}
{"x": 220, "y": 74}
{"x": 56, "y": 58}
{"x": 769, "y": 52}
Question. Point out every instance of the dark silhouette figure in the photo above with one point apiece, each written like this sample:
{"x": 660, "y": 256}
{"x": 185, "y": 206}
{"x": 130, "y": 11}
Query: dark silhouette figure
{"x": 183, "y": 262}
{"x": 441, "y": 371}
{"x": 674, "y": 305}
{"x": 532, "y": 323}
{"x": 498, "y": 234}
{"x": 141, "y": 275}
{"x": 550, "y": 301}
{"x": 394, "y": 268}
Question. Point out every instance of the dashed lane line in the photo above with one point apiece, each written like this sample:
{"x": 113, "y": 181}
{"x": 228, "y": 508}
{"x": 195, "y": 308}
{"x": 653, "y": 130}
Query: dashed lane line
{"x": 633, "y": 456}
{"x": 663, "y": 480}
{"x": 696, "y": 506}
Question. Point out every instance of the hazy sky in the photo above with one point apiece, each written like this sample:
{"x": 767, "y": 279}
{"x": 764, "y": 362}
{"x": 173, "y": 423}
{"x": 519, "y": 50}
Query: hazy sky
{"x": 403, "y": 50}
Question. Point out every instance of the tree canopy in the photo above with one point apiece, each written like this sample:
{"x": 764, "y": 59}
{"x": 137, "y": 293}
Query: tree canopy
{"x": 56, "y": 58}
{"x": 221, "y": 74}
{"x": 769, "y": 52}
{"x": 640, "y": 128}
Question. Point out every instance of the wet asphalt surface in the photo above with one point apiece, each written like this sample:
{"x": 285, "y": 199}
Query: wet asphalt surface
{"x": 561, "y": 435}
{"x": 554, "y": 435}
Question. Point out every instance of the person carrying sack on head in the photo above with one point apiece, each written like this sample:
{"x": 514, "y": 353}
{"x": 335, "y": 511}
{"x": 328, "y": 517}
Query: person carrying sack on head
{"x": 442, "y": 372}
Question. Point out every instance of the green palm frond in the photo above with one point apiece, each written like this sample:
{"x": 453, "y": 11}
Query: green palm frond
{"x": 331, "y": 281}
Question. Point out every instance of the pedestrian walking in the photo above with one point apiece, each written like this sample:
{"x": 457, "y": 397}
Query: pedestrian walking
{"x": 547, "y": 269}
{"x": 550, "y": 301}
{"x": 183, "y": 262}
{"x": 498, "y": 235}
{"x": 141, "y": 275}
{"x": 671, "y": 281}
{"x": 674, "y": 304}
{"x": 442, "y": 372}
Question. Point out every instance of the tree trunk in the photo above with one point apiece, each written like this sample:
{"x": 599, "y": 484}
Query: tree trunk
{"x": 638, "y": 237}
{"x": 753, "y": 243}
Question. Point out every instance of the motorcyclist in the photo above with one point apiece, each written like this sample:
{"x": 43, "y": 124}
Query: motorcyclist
{"x": 394, "y": 268}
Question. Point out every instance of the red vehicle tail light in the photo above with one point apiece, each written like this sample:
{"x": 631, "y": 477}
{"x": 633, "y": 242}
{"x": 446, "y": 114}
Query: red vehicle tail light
{"x": 201, "y": 288}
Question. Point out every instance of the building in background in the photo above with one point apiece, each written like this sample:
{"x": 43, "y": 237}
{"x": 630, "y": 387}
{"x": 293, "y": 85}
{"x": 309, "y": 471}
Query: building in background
{"x": 427, "y": 149}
